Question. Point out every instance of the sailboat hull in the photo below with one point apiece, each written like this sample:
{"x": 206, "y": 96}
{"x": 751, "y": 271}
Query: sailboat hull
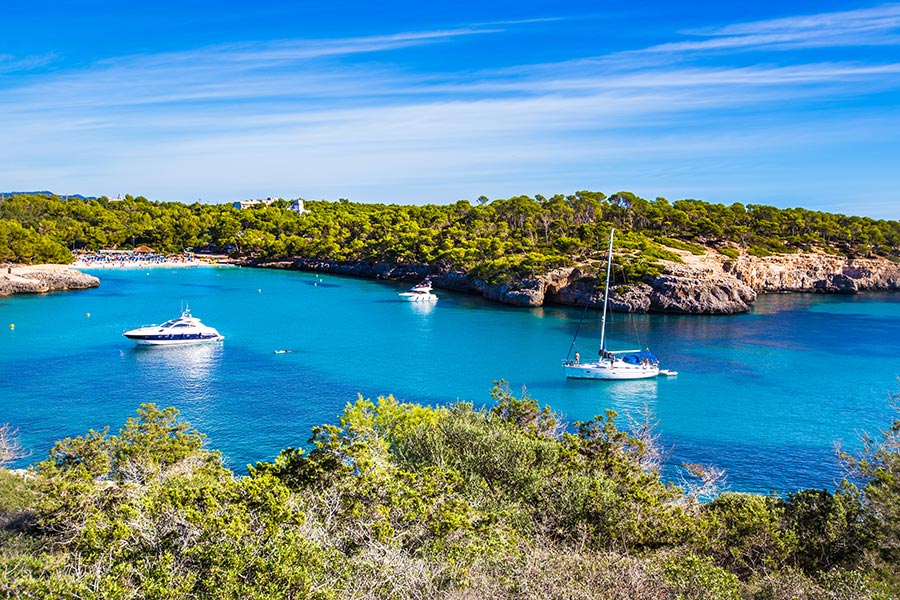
{"x": 606, "y": 370}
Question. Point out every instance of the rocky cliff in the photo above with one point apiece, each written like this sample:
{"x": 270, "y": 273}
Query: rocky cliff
{"x": 680, "y": 289}
{"x": 715, "y": 284}
{"x": 709, "y": 284}
{"x": 814, "y": 272}
{"x": 38, "y": 279}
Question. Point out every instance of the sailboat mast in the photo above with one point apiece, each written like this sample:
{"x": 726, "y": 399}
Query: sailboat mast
{"x": 606, "y": 293}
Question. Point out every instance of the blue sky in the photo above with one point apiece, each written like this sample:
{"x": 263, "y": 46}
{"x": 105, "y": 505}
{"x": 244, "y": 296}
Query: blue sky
{"x": 787, "y": 103}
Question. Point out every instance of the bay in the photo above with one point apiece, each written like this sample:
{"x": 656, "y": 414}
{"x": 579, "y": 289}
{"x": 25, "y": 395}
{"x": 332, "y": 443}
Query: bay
{"x": 764, "y": 396}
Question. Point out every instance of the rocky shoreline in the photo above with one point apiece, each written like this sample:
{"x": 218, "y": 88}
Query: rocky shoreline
{"x": 40, "y": 279}
{"x": 710, "y": 284}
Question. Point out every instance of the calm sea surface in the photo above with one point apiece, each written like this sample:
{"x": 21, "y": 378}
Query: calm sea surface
{"x": 764, "y": 395}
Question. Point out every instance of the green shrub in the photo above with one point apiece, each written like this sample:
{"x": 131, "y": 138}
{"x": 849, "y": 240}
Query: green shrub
{"x": 758, "y": 251}
{"x": 745, "y": 535}
{"x": 693, "y": 577}
{"x": 405, "y": 501}
{"x": 695, "y": 249}
{"x": 826, "y": 527}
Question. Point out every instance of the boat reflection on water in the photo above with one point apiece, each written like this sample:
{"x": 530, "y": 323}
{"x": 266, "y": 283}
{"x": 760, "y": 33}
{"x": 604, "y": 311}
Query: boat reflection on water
{"x": 632, "y": 397}
{"x": 186, "y": 367}
{"x": 629, "y": 397}
{"x": 422, "y": 308}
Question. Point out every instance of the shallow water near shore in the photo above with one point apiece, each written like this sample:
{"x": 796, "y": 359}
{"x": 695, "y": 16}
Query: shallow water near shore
{"x": 764, "y": 396}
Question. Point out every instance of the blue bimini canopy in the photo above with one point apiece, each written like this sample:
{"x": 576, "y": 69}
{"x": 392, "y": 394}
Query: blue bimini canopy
{"x": 646, "y": 354}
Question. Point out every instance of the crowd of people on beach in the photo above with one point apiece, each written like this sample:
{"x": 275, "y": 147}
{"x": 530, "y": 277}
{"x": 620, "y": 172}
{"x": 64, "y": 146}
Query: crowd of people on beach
{"x": 133, "y": 260}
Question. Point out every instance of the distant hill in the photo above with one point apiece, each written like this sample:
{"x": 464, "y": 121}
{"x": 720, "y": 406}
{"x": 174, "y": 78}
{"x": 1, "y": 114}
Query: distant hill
{"x": 46, "y": 193}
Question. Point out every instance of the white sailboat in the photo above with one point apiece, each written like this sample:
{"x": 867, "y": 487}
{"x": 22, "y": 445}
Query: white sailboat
{"x": 618, "y": 364}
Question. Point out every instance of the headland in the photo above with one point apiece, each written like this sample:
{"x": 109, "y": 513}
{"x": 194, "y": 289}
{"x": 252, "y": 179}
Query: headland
{"x": 40, "y": 279}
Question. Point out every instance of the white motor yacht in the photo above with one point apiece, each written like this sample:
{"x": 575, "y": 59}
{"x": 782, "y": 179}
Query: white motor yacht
{"x": 419, "y": 293}
{"x": 184, "y": 330}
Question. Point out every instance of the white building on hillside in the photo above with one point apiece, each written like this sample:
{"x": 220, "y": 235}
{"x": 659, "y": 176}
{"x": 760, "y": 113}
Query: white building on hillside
{"x": 244, "y": 204}
{"x": 296, "y": 205}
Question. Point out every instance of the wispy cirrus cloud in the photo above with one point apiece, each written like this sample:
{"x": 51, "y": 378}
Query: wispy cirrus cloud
{"x": 232, "y": 72}
{"x": 280, "y": 52}
{"x": 861, "y": 21}
{"x": 12, "y": 64}
{"x": 243, "y": 81}
{"x": 863, "y": 27}
{"x": 261, "y": 76}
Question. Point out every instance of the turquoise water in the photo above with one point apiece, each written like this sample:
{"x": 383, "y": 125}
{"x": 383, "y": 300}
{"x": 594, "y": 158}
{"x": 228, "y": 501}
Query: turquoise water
{"x": 764, "y": 395}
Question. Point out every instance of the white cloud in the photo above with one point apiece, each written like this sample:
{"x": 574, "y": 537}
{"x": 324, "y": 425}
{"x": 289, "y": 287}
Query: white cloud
{"x": 11, "y": 64}
{"x": 873, "y": 26}
{"x": 880, "y": 18}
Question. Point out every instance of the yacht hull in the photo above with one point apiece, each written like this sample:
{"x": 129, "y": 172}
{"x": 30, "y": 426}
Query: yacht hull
{"x": 417, "y": 297}
{"x": 173, "y": 342}
{"x": 604, "y": 370}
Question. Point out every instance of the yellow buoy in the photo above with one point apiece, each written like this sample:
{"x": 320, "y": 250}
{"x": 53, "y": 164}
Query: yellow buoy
{"x": 87, "y": 314}
{"x": 12, "y": 325}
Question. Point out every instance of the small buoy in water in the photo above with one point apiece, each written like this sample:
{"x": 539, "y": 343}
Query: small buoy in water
{"x": 315, "y": 284}
{"x": 259, "y": 291}
{"x": 87, "y": 315}
{"x": 12, "y": 325}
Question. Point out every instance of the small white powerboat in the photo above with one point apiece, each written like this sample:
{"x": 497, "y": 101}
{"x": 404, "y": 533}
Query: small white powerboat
{"x": 184, "y": 330}
{"x": 419, "y": 293}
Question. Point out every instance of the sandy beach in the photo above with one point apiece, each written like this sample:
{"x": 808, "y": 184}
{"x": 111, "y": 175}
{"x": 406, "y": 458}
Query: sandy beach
{"x": 42, "y": 278}
{"x": 26, "y": 271}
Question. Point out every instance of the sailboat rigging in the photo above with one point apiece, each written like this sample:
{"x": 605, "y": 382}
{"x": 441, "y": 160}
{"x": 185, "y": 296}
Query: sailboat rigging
{"x": 618, "y": 364}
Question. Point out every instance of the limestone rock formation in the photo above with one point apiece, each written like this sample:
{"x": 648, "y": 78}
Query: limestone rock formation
{"x": 38, "y": 279}
{"x": 680, "y": 290}
{"x": 802, "y": 272}
{"x": 721, "y": 295}
{"x": 836, "y": 284}
{"x": 636, "y": 298}
{"x": 525, "y": 293}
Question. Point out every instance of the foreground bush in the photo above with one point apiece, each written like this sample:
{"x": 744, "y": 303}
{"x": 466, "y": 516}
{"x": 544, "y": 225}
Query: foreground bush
{"x": 405, "y": 501}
